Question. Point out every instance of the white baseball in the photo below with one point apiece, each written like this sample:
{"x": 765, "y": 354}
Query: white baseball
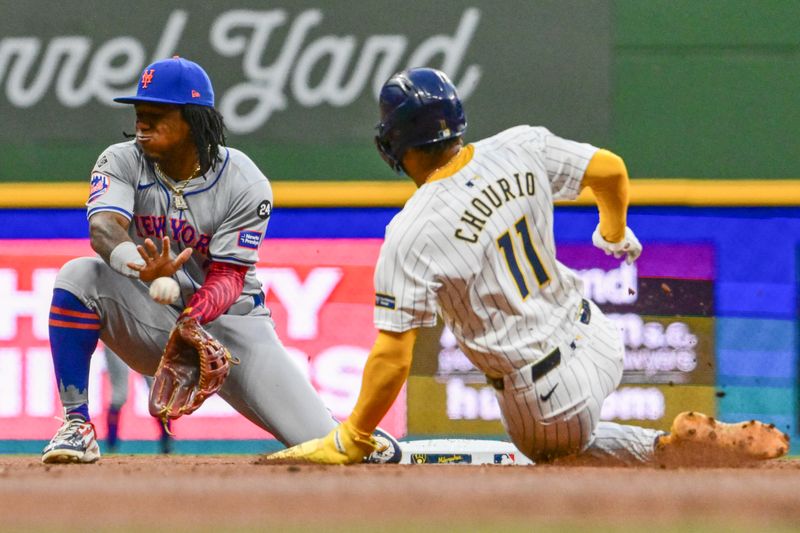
{"x": 164, "y": 290}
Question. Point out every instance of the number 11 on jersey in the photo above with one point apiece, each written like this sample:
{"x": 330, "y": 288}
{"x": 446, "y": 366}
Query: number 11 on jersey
{"x": 506, "y": 244}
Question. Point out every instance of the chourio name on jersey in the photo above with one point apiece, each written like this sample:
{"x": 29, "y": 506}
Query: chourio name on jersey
{"x": 489, "y": 199}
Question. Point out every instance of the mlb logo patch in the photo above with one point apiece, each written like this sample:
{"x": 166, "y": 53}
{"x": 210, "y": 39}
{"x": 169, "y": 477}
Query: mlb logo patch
{"x": 384, "y": 300}
{"x": 504, "y": 459}
{"x": 249, "y": 239}
{"x": 98, "y": 186}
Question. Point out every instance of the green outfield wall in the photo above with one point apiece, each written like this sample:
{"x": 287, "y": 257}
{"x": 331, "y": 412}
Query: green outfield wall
{"x": 296, "y": 81}
{"x": 681, "y": 89}
{"x": 707, "y": 89}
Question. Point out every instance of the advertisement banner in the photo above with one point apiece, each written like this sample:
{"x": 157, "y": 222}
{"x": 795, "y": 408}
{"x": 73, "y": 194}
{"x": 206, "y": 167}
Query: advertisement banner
{"x": 296, "y": 81}
{"x": 664, "y": 307}
{"x": 321, "y": 304}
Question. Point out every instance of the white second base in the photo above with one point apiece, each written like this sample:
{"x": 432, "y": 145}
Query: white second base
{"x": 462, "y": 451}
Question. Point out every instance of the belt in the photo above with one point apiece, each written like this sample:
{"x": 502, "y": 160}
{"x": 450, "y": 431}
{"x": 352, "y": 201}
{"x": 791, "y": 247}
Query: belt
{"x": 258, "y": 300}
{"x": 537, "y": 370}
{"x": 551, "y": 360}
{"x": 585, "y": 312}
{"x": 246, "y": 306}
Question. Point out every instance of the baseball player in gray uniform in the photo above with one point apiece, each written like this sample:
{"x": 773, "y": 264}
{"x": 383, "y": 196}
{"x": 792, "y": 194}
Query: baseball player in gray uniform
{"x": 208, "y": 205}
{"x": 475, "y": 244}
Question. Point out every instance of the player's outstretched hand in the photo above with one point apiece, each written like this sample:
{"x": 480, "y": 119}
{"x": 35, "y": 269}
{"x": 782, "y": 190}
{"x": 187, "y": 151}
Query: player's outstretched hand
{"x": 629, "y": 246}
{"x": 342, "y": 446}
{"x": 158, "y": 264}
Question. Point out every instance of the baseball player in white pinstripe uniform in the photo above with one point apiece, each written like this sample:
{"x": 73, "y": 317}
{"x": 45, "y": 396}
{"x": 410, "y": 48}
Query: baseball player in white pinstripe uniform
{"x": 475, "y": 244}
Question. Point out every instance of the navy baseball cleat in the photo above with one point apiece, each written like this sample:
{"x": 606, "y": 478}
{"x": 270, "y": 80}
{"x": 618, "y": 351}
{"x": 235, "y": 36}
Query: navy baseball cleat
{"x": 75, "y": 442}
{"x": 389, "y": 450}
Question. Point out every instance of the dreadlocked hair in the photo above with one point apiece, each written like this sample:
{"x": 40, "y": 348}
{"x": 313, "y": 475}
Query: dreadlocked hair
{"x": 208, "y": 132}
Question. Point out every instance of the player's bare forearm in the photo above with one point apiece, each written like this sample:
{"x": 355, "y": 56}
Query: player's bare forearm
{"x": 386, "y": 371}
{"x": 607, "y": 176}
{"x": 106, "y": 231}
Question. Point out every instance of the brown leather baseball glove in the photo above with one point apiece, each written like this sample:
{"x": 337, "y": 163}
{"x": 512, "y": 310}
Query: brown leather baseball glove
{"x": 194, "y": 366}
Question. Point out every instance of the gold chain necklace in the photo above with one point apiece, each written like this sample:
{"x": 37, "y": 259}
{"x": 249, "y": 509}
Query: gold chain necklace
{"x": 177, "y": 191}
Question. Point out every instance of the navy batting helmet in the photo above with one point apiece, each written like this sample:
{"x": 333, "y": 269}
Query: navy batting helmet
{"x": 418, "y": 106}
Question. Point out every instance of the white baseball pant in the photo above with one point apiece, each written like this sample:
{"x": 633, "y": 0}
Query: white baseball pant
{"x": 558, "y": 413}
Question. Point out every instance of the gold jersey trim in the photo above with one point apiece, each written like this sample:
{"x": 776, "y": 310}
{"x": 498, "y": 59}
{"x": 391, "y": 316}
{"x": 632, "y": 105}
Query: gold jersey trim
{"x": 459, "y": 161}
{"x": 394, "y": 193}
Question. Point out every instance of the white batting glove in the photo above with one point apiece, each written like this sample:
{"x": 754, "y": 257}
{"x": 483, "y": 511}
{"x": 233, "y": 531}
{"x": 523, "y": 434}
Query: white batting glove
{"x": 629, "y": 246}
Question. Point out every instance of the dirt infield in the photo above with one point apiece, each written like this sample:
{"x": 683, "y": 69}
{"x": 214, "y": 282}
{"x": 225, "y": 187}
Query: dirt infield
{"x": 230, "y": 493}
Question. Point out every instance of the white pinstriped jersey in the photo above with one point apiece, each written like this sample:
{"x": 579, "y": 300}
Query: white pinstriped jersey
{"x": 477, "y": 247}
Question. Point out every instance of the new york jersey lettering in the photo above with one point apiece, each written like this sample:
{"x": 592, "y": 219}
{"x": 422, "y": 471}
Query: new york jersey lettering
{"x": 179, "y": 231}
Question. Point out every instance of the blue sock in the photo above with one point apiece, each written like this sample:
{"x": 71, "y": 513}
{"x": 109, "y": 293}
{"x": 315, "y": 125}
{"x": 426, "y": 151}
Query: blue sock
{"x": 113, "y": 426}
{"x": 74, "y": 331}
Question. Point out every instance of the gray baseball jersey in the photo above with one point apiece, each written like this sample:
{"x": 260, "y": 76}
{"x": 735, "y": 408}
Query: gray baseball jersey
{"x": 227, "y": 215}
{"x": 226, "y": 219}
{"x": 475, "y": 244}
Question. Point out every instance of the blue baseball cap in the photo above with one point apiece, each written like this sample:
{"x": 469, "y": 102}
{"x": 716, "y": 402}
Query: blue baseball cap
{"x": 173, "y": 81}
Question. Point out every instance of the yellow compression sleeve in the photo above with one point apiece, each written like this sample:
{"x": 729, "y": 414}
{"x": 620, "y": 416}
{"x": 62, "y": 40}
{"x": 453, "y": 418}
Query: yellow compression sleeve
{"x": 607, "y": 176}
{"x": 386, "y": 370}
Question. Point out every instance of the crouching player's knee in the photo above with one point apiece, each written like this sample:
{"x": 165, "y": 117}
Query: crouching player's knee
{"x": 82, "y": 272}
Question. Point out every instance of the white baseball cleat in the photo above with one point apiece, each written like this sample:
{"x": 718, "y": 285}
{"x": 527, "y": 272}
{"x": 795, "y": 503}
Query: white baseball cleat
{"x": 75, "y": 442}
{"x": 388, "y": 450}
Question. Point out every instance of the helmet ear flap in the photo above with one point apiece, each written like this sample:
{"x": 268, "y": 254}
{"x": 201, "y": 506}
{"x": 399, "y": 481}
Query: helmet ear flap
{"x": 386, "y": 153}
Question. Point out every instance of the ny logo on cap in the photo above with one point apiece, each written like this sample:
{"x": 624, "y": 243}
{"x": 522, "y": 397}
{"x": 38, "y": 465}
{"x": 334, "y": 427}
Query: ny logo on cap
{"x": 147, "y": 77}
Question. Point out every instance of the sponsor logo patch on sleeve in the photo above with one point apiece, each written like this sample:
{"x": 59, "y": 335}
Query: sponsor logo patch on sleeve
{"x": 249, "y": 239}
{"x": 384, "y": 300}
{"x": 98, "y": 186}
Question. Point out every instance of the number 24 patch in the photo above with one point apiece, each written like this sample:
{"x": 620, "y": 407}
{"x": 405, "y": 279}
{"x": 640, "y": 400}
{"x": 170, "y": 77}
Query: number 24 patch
{"x": 264, "y": 210}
